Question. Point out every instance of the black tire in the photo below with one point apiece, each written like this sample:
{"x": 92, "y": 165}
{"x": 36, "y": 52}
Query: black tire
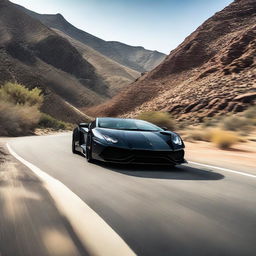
{"x": 89, "y": 155}
{"x": 74, "y": 137}
{"x": 89, "y": 151}
{"x": 74, "y": 151}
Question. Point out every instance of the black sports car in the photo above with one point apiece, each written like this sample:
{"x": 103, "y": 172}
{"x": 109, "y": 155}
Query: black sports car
{"x": 127, "y": 141}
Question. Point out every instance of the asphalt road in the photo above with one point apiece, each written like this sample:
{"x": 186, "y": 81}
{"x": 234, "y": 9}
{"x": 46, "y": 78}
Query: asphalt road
{"x": 157, "y": 211}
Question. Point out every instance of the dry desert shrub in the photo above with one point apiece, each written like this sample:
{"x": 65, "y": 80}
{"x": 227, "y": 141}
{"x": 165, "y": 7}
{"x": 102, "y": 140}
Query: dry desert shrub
{"x": 19, "y": 112}
{"x": 198, "y": 134}
{"x": 250, "y": 113}
{"x": 161, "y": 119}
{"x": 235, "y": 123}
{"x": 224, "y": 139}
{"x": 17, "y": 120}
{"x": 47, "y": 121}
{"x": 17, "y": 94}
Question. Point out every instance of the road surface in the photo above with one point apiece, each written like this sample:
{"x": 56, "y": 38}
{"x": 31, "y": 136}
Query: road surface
{"x": 185, "y": 210}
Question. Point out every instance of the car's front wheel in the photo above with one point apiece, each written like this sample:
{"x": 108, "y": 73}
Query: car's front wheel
{"x": 89, "y": 151}
{"x": 89, "y": 155}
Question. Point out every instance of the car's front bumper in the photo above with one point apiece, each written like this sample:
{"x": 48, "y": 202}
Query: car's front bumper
{"x": 137, "y": 156}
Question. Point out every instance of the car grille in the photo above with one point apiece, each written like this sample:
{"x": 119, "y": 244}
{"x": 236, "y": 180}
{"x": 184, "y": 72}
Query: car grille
{"x": 120, "y": 155}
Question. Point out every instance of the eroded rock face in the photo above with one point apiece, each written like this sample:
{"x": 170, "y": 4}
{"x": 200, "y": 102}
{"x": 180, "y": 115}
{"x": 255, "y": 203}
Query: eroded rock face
{"x": 211, "y": 73}
{"x": 246, "y": 98}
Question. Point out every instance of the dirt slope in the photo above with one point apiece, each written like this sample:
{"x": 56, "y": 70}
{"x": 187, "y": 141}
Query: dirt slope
{"x": 212, "y": 72}
{"x": 114, "y": 75}
{"x": 34, "y": 55}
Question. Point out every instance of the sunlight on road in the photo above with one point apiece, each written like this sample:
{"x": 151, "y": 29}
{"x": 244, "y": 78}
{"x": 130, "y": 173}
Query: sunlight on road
{"x": 14, "y": 193}
{"x": 58, "y": 243}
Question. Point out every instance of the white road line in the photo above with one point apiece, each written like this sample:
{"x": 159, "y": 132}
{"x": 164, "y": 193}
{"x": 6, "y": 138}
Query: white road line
{"x": 96, "y": 235}
{"x": 223, "y": 169}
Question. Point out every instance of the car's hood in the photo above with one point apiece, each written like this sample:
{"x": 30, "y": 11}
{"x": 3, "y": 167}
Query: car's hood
{"x": 140, "y": 139}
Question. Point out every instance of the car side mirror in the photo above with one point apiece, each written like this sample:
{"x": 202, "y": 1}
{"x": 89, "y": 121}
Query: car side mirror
{"x": 165, "y": 128}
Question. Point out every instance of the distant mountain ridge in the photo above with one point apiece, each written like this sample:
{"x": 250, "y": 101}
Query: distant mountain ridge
{"x": 70, "y": 73}
{"x": 211, "y": 73}
{"x": 117, "y": 64}
{"x": 114, "y": 75}
{"x": 136, "y": 58}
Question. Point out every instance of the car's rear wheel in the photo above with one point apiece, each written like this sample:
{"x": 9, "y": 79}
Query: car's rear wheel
{"x": 74, "y": 148}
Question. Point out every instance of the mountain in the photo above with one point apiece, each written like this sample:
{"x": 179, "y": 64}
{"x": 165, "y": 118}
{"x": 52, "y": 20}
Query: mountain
{"x": 35, "y": 55}
{"x": 136, "y": 58}
{"x": 114, "y": 75}
{"x": 38, "y": 50}
{"x": 211, "y": 73}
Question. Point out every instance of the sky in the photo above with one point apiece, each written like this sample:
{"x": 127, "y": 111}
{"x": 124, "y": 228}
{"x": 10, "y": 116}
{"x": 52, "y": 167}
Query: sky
{"x": 154, "y": 24}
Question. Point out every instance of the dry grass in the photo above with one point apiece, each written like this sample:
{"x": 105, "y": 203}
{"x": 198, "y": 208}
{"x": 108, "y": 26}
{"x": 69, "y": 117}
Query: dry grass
{"x": 17, "y": 94}
{"x": 250, "y": 113}
{"x": 161, "y": 119}
{"x": 235, "y": 123}
{"x": 224, "y": 139}
{"x": 17, "y": 120}
{"x": 47, "y": 121}
{"x": 197, "y": 134}
{"x": 19, "y": 113}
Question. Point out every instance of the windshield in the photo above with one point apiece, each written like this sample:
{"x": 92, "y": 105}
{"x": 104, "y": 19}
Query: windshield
{"x": 127, "y": 124}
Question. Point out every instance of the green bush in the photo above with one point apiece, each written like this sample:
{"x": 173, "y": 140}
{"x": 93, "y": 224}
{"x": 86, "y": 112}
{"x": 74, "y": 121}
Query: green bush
{"x": 19, "y": 95}
{"x": 47, "y": 121}
{"x": 162, "y": 119}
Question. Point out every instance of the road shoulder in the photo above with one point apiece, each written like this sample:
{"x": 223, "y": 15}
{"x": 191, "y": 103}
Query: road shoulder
{"x": 30, "y": 222}
{"x": 242, "y": 158}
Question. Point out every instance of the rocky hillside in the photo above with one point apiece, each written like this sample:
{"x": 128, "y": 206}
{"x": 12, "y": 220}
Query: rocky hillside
{"x": 113, "y": 74}
{"x": 211, "y": 73}
{"x": 34, "y": 55}
{"x": 136, "y": 58}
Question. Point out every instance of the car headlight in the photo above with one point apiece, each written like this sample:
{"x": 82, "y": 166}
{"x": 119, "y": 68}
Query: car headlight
{"x": 176, "y": 139}
{"x": 110, "y": 139}
{"x": 100, "y": 137}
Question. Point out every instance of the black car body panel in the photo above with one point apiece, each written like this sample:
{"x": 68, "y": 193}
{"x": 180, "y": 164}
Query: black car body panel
{"x": 129, "y": 146}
